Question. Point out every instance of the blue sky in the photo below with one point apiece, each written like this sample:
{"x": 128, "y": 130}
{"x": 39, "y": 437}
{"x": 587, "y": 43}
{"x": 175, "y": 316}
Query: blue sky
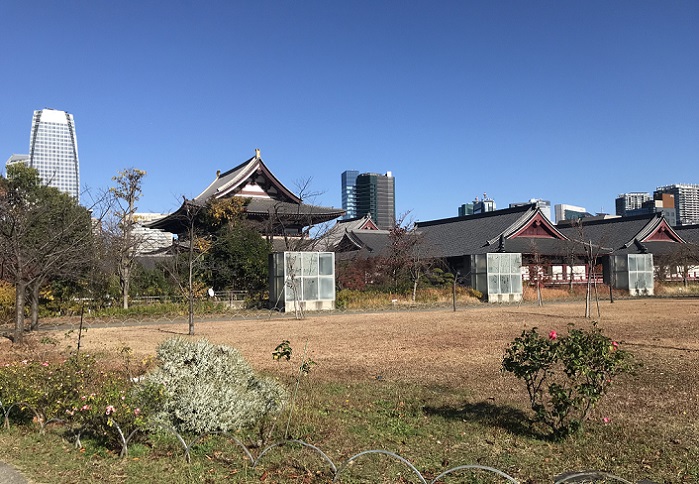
{"x": 573, "y": 102}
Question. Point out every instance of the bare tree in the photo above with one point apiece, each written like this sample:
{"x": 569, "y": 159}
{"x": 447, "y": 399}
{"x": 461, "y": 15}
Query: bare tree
{"x": 190, "y": 249}
{"x": 405, "y": 255}
{"x": 682, "y": 259}
{"x": 126, "y": 193}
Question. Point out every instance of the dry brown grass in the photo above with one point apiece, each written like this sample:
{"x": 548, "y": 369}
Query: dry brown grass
{"x": 441, "y": 349}
{"x": 426, "y": 346}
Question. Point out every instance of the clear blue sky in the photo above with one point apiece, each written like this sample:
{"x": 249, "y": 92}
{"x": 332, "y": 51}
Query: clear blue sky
{"x": 573, "y": 102}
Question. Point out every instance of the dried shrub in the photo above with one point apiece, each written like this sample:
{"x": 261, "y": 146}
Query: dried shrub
{"x": 211, "y": 388}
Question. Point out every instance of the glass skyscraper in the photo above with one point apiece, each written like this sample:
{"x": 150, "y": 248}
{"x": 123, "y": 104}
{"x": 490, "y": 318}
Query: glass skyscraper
{"x": 53, "y": 150}
{"x": 349, "y": 196}
{"x": 375, "y": 194}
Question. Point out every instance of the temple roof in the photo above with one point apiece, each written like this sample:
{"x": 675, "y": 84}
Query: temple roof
{"x": 332, "y": 237}
{"x": 689, "y": 233}
{"x": 365, "y": 244}
{"x": 628, "y": 235}
{"x": 266, "y": 198}
{"x": 519, "y": 229}
{"x": 252, "y": 179}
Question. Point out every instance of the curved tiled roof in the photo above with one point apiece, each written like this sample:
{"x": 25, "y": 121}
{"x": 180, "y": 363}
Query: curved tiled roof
{"x": 266, "y": 197}
{"x": 472, "y": 234}
{"x": 619, "y": 234}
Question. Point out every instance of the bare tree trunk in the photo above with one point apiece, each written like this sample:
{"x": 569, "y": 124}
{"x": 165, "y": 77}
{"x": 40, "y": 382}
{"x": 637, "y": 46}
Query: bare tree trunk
{"x": 538, "y": 293}
{"x": 34, "y": 314}
{"x": 190, "y": 286}
{"x": 415, "y": 283}
{"x": 599, "y": 314}
{"x": 453, "y": 294}
{"x": 20, "y": 294}
{"x": 588, "y": 291}
{"x": 125, "y": 285}
{"x": 570, "y": 278}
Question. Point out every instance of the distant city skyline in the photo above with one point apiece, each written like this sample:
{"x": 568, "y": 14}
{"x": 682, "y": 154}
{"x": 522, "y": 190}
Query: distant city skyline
{"x": 572, "y": 102}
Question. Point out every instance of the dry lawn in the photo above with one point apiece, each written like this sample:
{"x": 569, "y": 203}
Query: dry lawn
{"x": 430, "y": 347}
{"x": 441, "y": 349}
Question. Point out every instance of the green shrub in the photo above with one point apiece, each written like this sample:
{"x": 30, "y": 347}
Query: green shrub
{"x": 566, "y": 376}
{"x": 50, "y": 389}
{"x": 209, "y": 388}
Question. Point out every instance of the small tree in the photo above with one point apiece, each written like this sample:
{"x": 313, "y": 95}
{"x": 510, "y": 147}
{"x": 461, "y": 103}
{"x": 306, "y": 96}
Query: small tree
{"x": 405, "y": 258}
{"x": 126, "y": 193}
{"x": 565, "y": 376}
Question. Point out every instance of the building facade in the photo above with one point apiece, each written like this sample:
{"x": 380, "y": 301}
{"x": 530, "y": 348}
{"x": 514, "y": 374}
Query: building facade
{"x": 630, "y": 201}
{"x": 543, "y": 205}
{"x": 483, "y": 206}
{"x": 376, "y": 195}
{"x": 465, "y": 209}
{"x": 53, "y": 150}
{"x": 349, "y": 196}
{"x": 147, "y": 239}
{"x": 564, "y": 212}
{"x": 686, "y": 201}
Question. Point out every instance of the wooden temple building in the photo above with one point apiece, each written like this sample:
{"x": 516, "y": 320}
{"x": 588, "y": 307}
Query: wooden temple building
{"x": 274, "y": 209}
{"x": 561, "y": 253}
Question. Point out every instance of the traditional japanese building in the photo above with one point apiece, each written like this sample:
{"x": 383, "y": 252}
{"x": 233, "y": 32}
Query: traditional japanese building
{"x": 275, "y": 210}
{"x": 360, "y": 225}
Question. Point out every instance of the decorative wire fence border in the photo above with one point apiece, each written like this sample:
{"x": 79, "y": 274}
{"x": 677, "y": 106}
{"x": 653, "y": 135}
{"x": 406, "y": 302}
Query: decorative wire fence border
{"x": 567, "y": 477}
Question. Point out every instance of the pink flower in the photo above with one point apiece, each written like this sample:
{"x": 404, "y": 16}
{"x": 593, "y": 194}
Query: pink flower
{"x": 606, "y": 420}
{"x": 110, "y": 410}
{"x": 45, "y": 363}
{"x": 615, "y": 345}
{"x": 553, "y": 335}
{"x": 137, "y": 411}
{"x": 83, "y": 398}
{"x": 84, "y": 407}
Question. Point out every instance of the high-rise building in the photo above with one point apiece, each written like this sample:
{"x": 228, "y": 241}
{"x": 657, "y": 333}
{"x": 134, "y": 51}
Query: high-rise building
{"x": 686, "y": 201}
{"x": 376, "y": 194}
{"x": 485, "y": 205}
{"x": 465, "y": 209}
{"x": 661, "y": 203}
{"x": 53, "y": 150}
{"x": 349, "y": 195}
{"x": 564, "y": 211}
{"x": 630, "y": 201}
{"x": 543, "y": 205}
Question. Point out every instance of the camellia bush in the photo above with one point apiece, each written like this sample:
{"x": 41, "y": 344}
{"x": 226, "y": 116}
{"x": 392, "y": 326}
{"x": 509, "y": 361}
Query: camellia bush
{"x": 565, "y": 376}
{"x": 80, "y": 395}
{"x": 210, "y": 388}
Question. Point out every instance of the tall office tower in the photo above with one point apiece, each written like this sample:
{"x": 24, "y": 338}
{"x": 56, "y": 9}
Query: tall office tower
{"x": 376, "y": 194}
{"x": 564, "y": 211}
{"x": 630, "y": 201}
{"x": 543, "y": 205}
{"x": 465, "y": 209}
{"x": 485, "y": 205}
{"x": 53, "y": 150}
{"x": 349, "y": 197}
{"x": 686, "y": 201}
{"x": 662, "y": 203}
